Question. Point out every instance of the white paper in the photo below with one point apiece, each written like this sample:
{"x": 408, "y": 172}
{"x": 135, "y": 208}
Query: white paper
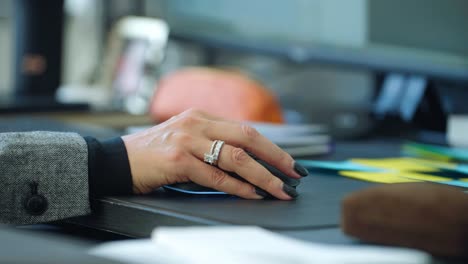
{"x": 244, "y": 244}
{"x": 457, "y": 128}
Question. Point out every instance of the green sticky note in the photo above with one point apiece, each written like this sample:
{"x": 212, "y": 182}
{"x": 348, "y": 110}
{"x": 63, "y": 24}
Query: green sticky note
{"x": 436, "y": 151}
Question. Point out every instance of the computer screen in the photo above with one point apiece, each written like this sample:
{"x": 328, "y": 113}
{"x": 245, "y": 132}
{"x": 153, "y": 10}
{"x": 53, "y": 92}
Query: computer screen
{"x": 425, "y": 37}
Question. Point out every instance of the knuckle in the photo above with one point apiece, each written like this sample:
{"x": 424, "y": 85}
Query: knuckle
{"x": 239, "y": 156}
{"x": 249, "y": 132}
{"x": 218, "y": 178}
{"x": 284, "y": 157}
{"x": 193, "y": 112}
{"x": 189, "y": 121}
{"x": 167, "y": 137}
{"x": 270, "y": 183}
{"x": 245, "y": 190}
{"x": 183, "y": 138}
{"x": 177, "y": 155}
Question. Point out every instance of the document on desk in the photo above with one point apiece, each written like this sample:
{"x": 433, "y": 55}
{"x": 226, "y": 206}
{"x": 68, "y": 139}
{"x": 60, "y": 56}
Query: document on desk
{"x": 246, "y": 244}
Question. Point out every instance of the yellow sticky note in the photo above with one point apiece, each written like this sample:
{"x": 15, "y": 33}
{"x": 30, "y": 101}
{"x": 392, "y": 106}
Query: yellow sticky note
{"x": 396, "y": 164}
{"x": 434, "y": 163}
{"x": 423, "y": 177}
{"x": 380, "y": 177}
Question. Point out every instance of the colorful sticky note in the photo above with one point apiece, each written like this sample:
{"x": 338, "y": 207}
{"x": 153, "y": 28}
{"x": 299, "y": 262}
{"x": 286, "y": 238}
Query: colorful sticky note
{"x": 446, "y": 168}
{"x": 336, "y": 165}
{"x": 456, "y": 183}
{"x": 396, "y": 170}
{"x": 396, "y": 164}
{"x": 380, "y": 177}
{"x": 422, "y": 176}
{"x": 434, "y": 163}
{"x": 437, "y": 152}
{"x": 392, "y": 177}
{"x": 462, "y": 168}
{"x": 417, "y": 152}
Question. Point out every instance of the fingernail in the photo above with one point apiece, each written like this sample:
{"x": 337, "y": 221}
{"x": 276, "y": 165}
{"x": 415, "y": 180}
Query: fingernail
{"x": 292, "y": 182}
{"x": 261, "y": 192}
{"x": 301, "y": 170}
{"x": 290, "y": 191}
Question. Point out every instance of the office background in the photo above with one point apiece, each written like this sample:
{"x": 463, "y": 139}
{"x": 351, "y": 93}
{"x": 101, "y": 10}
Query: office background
{"x": 320, "y": 91}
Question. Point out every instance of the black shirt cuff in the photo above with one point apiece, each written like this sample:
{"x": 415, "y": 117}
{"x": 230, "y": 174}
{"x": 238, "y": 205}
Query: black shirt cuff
{"x": 108, "y": 167}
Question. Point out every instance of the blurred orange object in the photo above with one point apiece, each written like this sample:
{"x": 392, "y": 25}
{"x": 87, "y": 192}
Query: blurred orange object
{"x": 225, "y": 93}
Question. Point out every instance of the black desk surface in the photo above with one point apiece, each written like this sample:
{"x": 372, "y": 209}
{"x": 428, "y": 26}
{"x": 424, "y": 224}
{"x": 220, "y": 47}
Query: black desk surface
{"x": 317, "y": 207}
{"x": 20, "y": 246}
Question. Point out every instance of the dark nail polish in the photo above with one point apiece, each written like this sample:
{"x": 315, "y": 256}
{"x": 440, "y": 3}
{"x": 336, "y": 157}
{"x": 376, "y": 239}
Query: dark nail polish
{"x": 290, "y": 191}
{"x": 261, "y": 192}
{"x": 301, "y": 170}
{"x": 292, "y": 182}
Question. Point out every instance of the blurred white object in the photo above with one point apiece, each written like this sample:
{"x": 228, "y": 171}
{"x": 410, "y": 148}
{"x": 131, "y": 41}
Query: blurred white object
{"x": 135, "y": 50}
{"x": 78, "y": 7}
{"x": 246, "y": 244}
{"x": 96, "y": 97}
{"x": 457, "y": 131}
{"x": 82, "y": 41}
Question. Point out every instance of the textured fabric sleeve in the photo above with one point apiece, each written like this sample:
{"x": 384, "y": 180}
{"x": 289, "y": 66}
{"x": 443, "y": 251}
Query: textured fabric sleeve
{"x": 44, "y": 177}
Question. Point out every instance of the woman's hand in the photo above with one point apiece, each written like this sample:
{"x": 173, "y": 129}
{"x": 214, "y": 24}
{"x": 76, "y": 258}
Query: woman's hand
{"x": 173, "y": 152}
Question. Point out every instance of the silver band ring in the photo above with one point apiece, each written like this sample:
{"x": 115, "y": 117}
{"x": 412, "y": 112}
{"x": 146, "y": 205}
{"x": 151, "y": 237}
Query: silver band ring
{"x": 212, "y": 157}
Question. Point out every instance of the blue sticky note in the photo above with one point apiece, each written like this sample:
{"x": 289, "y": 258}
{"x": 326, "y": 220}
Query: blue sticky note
{"x": 462, "y": 168}
{"x": 457, "y": 153}
{"x": 455, "y": 183}
{"x": 336, "y": 165}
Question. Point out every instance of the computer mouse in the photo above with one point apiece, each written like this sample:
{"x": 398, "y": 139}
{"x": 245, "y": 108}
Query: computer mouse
{"x": 194, "y": 188}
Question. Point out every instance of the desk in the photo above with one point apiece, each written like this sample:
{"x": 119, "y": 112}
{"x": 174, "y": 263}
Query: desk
{"x": 317, "y": 208}
{"x": 316, "y": 213}
{"x": 314, "y": 216}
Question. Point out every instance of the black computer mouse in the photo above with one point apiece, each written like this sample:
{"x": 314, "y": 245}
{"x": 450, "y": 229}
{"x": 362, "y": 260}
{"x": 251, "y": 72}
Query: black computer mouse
{"x": 194, "y": 188}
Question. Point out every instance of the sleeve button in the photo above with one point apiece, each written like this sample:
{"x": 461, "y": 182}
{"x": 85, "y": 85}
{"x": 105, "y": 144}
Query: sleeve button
{"x": 36, "y": 204}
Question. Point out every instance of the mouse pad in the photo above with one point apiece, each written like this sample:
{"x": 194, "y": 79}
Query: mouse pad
{"x": 318, "y": 206}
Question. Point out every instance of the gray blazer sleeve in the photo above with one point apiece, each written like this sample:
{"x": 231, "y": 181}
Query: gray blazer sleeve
{"x": 43, "y": 177}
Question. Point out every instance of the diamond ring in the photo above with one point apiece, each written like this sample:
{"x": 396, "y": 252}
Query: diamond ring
{"x": 212, "y": 157}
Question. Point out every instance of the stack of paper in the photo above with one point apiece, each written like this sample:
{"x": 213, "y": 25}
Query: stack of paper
{"x": 233, "y": 244}
{"x": 299, "y": 139}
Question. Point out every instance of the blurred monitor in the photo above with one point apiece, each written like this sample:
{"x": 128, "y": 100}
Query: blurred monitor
{"x": 425, "y": 37}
